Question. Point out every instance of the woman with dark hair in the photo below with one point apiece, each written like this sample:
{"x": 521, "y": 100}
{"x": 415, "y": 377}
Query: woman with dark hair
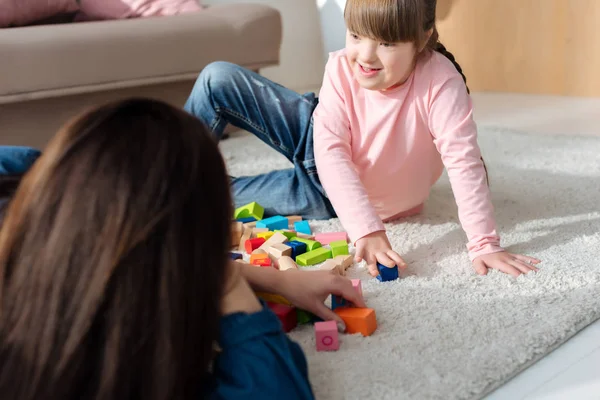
{"x": 115, "y": 280}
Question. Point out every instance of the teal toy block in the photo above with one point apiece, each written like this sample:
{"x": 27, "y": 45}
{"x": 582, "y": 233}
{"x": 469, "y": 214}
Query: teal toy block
{"x": 273, "y": 223}
{"x": 302, "y": 227}
{"x": 314, "y": 257}
{"x": 339, "y": 248}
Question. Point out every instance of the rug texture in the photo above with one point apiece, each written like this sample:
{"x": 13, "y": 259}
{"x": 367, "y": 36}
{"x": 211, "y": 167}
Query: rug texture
{"x": 444, "y": 332}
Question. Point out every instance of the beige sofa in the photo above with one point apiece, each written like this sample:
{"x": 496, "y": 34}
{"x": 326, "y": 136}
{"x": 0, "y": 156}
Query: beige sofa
{"x": 48, "y": 73}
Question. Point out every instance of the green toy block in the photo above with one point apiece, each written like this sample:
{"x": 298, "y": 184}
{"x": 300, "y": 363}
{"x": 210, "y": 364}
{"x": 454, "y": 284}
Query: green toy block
{"x": 287, "y": 234}
{"x": 304, "y": 317}
{"x": 310, "y": 244}
{"x": 253, "y": 209}
{"x": 314, "y": 257}
{"x": 339, "y": 248}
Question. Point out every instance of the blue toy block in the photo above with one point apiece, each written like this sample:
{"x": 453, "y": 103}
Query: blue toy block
{"x": 235, "y": 256}
{"x": 387, "y": 274}
{"x": 302, "y": 227}
{"x": 246, "y": 220}
{"x": 273, "y": 223}
{"x": 297, "y": 248}
{"x": 338, "y": 301}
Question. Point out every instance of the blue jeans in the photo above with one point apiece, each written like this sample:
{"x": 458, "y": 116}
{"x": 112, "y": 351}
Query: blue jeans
{"x": 16, "y": 160}
{"x": 226, "y": 93}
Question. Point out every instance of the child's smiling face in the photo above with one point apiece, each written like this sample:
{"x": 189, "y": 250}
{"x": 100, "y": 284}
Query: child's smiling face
{"x": 377, "y": 65}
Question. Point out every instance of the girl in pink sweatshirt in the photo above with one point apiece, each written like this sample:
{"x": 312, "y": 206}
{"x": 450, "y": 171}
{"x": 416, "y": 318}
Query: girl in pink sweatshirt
{"x": 393, "y": 112}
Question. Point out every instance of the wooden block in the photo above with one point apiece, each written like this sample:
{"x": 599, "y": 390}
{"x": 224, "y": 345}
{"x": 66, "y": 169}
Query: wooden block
{"x": 253, "y": 244}
{"x": 279, "y": 250}
{"x": 235, "y": 256}
{"x": 304, "y": 317}
{"x": 345, "y": 261}
{"x": 274, "y": 223}
{"x": 387, "y": 274}
{"x": 265, "y": 235}
{"x": 293, "y": 219}
{"x": 339, "y": 248}
{"x": 259, "y": 251}
{"x": 246, "y": 220}
{"x": 314, "y": 257}
{"x": 302, "y": 227}
{"x": 358, "y": 320}
{"x": 256, "y": 231}
{"x": 339, "y": 301}
{"x": 245, "y": 236}
{"x": 310, "y": 244}
{"x": 286, "y": 263}
{"x": 237, "y": 230}
{"x": 297, "y": 248}
{"x": 328, "y": 237}
{"x": 305, "y": 236}
{"x": 250, "y": 210}
{"x": 273, "y": 298}
{"x": 261, "y": 260}
{"x": 250, "y": 225}
{"x": 326, "y": 336}
{"x": 287, "y": 233}
{"x": 333, "y": 266}
{"x": 286, "y": 314}
{"x": 275, "y": 239}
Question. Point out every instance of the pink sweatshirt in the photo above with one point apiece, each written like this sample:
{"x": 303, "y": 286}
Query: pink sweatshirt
{"x": 378, "y": 152}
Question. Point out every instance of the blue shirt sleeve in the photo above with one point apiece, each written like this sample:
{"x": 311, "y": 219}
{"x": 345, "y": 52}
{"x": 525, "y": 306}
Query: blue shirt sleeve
{"x": 258, "y": 360}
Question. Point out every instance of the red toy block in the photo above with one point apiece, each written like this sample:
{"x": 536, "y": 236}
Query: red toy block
{"x": 253, "y": 244}
{"x": 286, "y": 314}
{"x": 328, "y": 237}
{"x": 326, "y": 335}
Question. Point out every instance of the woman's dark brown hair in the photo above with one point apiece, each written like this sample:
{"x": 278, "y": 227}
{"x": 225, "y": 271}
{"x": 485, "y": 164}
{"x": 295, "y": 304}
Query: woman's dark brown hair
{"x": 397, "y": 21}
{"x": 113, "y": 256}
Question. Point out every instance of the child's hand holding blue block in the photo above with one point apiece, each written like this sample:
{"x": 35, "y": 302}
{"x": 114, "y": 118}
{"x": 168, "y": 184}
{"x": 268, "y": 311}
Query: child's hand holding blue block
{"x": 387, "y": 274}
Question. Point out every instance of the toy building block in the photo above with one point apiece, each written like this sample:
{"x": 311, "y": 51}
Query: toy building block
{"x": 247, "y": 234}
{"x": 314, "y": 257}
{"x": 279, "y": 250}
{"x": 310, "y": 244}
{"x": 275, "y": 239}
{"x": 246, "y": 220}
{"x": 357, "y": 285}
{"x": 237, "y": 230}
{"x": 303, "y": 316}
{"x": 253, "y": 244}
{"x": 259, "y": 251}
{"x": 273, "y": 223}
{"x": 302, "y": 227}
{"x": 333, "y": 266}
{"x": 387, "y": 274}
{"x": 345, "y": 261}
{"x": 256, "y": 231}
{"x": 339, "y": 301}
{"x": 292, "y": 219}
{"x": 305, "y": 236}
{"x": 297, "y": 248}
{"x": 358, "y": 320}
{"x": 326, "y": 335}
{"x": 286, "y": 263}
{"x": 339, "y": 248}
{"x": 261, "y": 260}
{"x": 235, "y": 256}
{"x": 286, "y": 314}
{"x": 253, "y": 210}
{"x": 265, "y": 235}
{"x": 273, "y": 298}
{"x": 250, "y": 225}
{"x": 328, "y": 237}
{"x": 287, "y": 233}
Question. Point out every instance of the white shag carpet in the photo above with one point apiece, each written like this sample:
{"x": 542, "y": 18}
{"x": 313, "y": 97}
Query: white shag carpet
{"x": 444, "y": 332}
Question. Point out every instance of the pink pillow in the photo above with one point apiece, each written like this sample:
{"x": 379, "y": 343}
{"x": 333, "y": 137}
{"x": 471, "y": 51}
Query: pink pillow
{"x": 23, "y": 12}
{"x": 119, "y": 9}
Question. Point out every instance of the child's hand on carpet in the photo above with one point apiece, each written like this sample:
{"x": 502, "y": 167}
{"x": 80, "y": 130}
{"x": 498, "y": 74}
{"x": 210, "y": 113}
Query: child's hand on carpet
{"x": 375, "y": 248}
{"x": 308, "y": 290}
{"x": 513, "y": 264}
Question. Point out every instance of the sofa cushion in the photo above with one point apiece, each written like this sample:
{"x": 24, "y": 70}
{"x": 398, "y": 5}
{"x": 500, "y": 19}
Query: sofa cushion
{"x": 53, "y": 60}
{"x": 120, "y": 9}
{"x": 24, "y": 12}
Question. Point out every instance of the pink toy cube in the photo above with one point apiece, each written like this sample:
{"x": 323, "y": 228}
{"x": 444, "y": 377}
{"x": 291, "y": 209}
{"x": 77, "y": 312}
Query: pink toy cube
{"x": 326, "y": 335}
{"x": 328, "y": 237}
{"x": 357, "y": 286}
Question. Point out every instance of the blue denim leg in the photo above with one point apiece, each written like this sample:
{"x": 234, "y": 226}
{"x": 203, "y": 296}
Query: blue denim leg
{"x": 227, "y": 93}
{"x": 16, "y": 160}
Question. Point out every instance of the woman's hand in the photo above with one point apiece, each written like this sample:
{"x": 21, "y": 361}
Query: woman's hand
{"x": 308, "y": 290}
{"x": 375, "y": 248}
{"x": 238, "y": 296}
{"x": 513, "y": 264}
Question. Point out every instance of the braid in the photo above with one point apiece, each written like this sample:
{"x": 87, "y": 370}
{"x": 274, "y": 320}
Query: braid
{"x": 440, "y": 48}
